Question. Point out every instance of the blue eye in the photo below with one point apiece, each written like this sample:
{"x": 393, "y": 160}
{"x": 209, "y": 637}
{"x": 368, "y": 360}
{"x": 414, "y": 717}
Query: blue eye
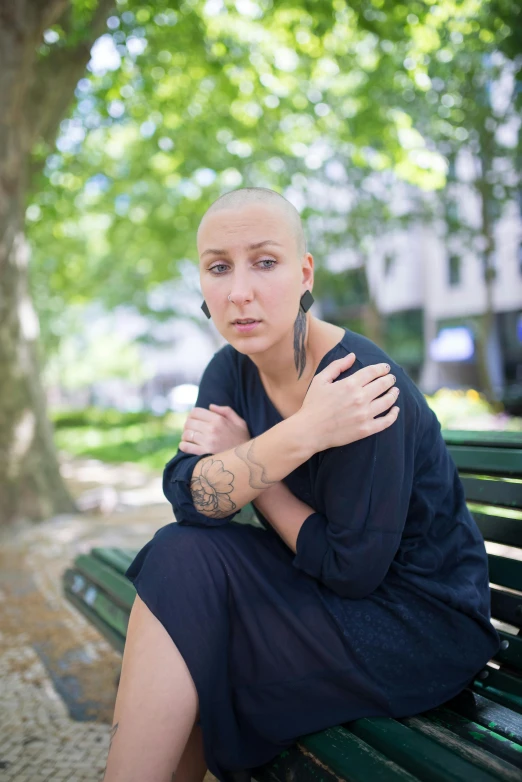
{"x": 264, "y": 260}
{"x": 216, "y": 267}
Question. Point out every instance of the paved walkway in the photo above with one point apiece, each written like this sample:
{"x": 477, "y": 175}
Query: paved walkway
{"x": 57, "y": 674}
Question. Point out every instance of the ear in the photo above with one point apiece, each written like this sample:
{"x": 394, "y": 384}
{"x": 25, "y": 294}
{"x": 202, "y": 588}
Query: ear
{"x": 307, "y": 268}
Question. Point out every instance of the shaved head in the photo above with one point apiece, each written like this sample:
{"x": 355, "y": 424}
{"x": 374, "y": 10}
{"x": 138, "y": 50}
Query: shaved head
{"x": 251, "y": 195}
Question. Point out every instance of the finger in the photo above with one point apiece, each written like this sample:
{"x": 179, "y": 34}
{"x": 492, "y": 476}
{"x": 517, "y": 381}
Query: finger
{"x": 335, "y": 368}
{"x": 189, "y": 435}
{"x": 227, "y": 412}
{"x": 365, "y": 375}
{"x": 201, "y": 414}
{"x": 379, "y": 386}
{"x": 384, "y": 402}
{"x": 379, "y": 424}
{"x": 192, "y": 448}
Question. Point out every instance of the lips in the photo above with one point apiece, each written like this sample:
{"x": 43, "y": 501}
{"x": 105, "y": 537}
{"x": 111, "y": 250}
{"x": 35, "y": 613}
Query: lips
{"x": 245, "y": 327}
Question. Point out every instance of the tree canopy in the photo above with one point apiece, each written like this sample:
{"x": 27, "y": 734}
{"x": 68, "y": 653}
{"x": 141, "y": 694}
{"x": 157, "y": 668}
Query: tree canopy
{"x": 183, "y": 101}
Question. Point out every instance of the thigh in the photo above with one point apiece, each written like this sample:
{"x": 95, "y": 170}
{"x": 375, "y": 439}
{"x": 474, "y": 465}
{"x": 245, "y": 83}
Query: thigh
{"x": 280, "y": 628}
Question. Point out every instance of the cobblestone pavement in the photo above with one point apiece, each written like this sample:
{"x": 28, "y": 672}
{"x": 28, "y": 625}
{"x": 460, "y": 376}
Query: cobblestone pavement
{"x": 57, "y": 673}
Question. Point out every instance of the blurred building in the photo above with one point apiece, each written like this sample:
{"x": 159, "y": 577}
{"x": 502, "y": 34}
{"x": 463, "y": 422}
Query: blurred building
{"x": 427, "y": 294}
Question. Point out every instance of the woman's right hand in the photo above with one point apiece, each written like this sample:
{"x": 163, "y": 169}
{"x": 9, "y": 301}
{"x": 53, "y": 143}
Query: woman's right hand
{"x": 339, "y": 413}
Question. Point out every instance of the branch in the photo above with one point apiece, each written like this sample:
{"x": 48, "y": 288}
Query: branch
{"x": 56, "y": 78}
{"x": 46, "y": 12}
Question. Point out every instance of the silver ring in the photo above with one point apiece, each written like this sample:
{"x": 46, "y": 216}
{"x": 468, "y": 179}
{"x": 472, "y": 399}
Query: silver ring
{"x": 191, "y": 434}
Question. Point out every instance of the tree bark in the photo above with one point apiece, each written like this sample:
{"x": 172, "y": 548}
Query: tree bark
{"x": 486, "y": 320}
{"x": 30, "y": 482}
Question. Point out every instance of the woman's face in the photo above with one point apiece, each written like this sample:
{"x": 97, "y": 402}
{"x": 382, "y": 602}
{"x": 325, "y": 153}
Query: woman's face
{"x": 251, "y": 255}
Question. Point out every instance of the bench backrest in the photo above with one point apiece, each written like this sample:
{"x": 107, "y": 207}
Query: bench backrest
{"x": 490, "y": 467}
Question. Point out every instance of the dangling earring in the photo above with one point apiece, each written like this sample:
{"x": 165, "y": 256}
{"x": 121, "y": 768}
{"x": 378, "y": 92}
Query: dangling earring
{"x": 306, "y": 301}
{"x": 205, "y": 309}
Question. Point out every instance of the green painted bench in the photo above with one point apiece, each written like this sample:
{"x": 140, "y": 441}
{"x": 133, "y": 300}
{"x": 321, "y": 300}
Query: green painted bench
{"x": 477, "y": 736}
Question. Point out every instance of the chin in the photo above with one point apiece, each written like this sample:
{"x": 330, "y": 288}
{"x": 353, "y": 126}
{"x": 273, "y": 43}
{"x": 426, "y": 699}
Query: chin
{"x": 247, "y": 346}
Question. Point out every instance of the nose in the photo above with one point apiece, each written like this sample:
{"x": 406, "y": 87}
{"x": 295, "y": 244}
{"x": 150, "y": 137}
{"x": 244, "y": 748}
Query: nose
{"x": 241, "y": 292}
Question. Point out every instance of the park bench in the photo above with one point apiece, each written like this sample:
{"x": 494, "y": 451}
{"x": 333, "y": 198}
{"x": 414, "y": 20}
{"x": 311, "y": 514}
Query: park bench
{"x": 475, "y": 737}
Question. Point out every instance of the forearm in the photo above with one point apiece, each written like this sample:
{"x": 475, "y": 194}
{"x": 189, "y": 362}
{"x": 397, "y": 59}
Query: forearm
{"x": 226, "y": 481}
{"x": 284, "y": 511}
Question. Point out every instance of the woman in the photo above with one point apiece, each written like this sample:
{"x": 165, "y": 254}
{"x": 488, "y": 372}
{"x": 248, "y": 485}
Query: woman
{"x": 364, "y": 593}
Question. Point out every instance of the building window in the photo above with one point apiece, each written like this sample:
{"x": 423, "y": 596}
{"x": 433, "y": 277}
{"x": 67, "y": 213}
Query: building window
{"x": 388, "y": 264}
{"x": 452, "y": 212}
{"x": 454, "y": 269}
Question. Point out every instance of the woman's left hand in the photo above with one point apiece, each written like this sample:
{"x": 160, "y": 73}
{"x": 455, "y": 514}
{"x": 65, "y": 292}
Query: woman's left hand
{"x": 214, "y": 430}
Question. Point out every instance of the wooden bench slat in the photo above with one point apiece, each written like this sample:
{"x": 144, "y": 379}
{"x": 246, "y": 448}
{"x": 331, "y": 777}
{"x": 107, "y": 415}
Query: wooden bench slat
{"x": 499, "y": 529}
{"x": 352, "y": 758}
{"x": 112, "y": 556}
{"x": 477, "y": 734}
{"x": 487, "y": 439}
{"x": 505, "y": 572}
{"x": 487, "y": 713}
{"x": 506, "y": 462}
{"x": 116, "y": 585}
{"x": 511, "y": 650}
{"x": 114, "y": 638}
{"x": 506, "y": 606}
{"x": 296, "y": 764}
{"x": 499, "y": 693}
{"x": 503, "y": 680}
{"x": 94, "y": 597}
{"x": 488, "y": 762}
{"x": 415, "y": 752}
{"x": 492, "y": 491}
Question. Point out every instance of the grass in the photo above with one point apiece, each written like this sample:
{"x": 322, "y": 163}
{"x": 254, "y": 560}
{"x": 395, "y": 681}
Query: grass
{"x": 112, "y": 436}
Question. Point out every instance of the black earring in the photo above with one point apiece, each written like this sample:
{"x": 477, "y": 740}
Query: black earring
{"x": 205, "y": 309}
{"x": 306, "y": 301}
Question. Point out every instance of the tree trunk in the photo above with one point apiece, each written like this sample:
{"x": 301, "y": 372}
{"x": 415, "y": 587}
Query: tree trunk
{"x": 30, "y": 481}
{"x": 485, "y": 330}
{"x": 35, "y": 97}
{"x": 373, "y": 321}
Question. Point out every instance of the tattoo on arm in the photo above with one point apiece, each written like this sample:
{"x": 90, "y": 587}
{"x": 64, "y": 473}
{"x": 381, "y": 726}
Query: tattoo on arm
{"x": 211, "y": 488}
{"x": 113, "y": 733}
{"x": 257, "y": 474}
{"x": 299, "y": 338}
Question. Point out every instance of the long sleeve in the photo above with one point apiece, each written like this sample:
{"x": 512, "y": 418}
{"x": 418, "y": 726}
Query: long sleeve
{"x": 363, "y": 492}
{"x": 217, "y": 385}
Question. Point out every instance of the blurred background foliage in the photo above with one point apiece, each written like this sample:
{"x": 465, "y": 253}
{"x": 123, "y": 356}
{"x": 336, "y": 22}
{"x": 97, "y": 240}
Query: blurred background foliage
{"x": 183, "y": 101}
{"x": 190, "y": 99}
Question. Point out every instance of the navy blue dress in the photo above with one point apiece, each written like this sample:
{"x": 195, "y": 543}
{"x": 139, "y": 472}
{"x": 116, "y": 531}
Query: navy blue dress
{"x": 383, "y": 611}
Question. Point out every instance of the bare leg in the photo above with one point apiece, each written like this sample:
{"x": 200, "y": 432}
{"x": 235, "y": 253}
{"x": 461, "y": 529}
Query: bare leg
{"x": 192, "y": 767}
{"x": 156, "y": 705}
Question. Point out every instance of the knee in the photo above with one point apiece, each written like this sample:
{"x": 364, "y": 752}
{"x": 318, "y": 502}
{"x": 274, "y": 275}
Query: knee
{"x": 180, "y": 542}
{"x": 180, "y": 550}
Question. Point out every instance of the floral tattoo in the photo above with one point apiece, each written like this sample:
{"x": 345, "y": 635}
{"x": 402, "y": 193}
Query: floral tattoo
{"x": 211, "y": 489}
